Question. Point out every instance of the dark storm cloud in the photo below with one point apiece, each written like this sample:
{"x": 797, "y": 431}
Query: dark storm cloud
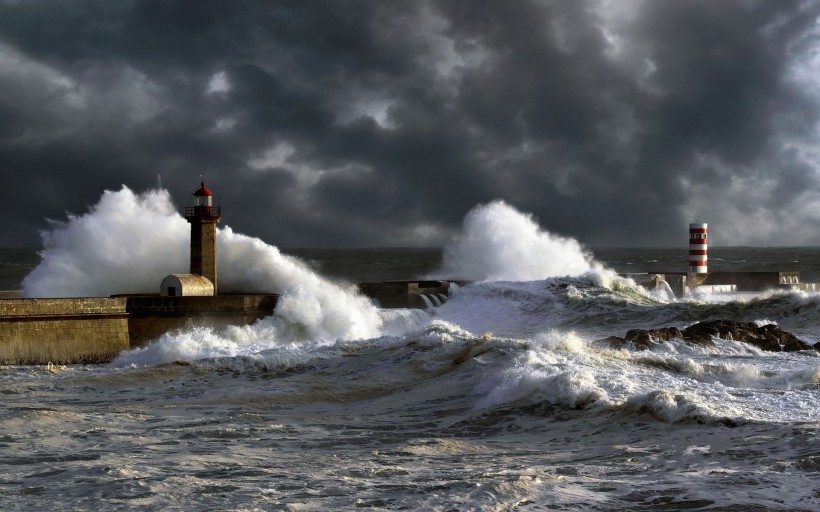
{"x": 372, "y": 123}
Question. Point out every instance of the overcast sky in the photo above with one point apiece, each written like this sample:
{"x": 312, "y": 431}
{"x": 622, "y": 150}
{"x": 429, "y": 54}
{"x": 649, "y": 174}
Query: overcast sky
{"x": 373, "y": 123}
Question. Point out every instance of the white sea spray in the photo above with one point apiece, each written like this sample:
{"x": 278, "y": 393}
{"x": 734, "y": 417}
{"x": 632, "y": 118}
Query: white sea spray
{"x": 128, "y": 242}
{"x": 499, "y": 243}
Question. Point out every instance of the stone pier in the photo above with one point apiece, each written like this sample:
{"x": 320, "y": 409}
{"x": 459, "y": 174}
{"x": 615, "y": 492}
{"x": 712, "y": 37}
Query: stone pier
{"x": 96, "y": 329}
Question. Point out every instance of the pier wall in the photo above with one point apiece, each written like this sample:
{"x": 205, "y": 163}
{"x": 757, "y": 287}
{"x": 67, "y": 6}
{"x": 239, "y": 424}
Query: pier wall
{"x": 679, "y": 282}
{"x": 746, "y": 281}
{"x": 95, "y": 330}
{"x": 404, "y": 294}
{"x": 152, "y": 316}
{"x": 61, "y": 331}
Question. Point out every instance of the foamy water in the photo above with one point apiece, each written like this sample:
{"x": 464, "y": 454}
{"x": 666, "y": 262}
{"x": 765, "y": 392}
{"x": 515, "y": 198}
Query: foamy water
{"x": 496, "y": 400}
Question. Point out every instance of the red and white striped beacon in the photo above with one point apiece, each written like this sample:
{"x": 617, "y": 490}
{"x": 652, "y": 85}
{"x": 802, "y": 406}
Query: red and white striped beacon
{"x": 698, "y": 247}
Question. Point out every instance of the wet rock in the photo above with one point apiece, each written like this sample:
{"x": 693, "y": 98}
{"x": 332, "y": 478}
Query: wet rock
{"x": 767, "y": 337}
{"x": 639, "y": 337}
{"x": 667, "y": 333}
{"x": 615, "y": 342}
{"x": 644, "y": 338}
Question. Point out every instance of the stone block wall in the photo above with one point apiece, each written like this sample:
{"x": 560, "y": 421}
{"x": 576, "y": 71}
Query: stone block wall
{"x": 152, "y": 316}
{"x": 95, "y": 330}
{"x": 62, "y": 331}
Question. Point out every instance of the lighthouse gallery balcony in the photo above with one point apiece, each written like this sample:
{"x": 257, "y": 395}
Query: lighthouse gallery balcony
{"x": 203, "y": 211}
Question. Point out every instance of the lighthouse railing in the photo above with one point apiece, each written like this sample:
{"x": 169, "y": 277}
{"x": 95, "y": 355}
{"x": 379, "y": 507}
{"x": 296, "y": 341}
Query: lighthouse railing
{"x": 203, "y": 211}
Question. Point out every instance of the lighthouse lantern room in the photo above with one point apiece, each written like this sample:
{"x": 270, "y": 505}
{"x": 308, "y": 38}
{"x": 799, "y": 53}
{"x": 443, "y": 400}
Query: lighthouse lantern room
{"x": 203, "y": 217}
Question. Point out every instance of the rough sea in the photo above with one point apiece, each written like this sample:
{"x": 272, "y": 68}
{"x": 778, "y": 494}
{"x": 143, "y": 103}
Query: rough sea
{"x": 495, "y": 400}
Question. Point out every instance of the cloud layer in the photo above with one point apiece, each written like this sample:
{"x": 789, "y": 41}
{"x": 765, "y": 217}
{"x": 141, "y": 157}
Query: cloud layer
{"x": 368, "y": 123}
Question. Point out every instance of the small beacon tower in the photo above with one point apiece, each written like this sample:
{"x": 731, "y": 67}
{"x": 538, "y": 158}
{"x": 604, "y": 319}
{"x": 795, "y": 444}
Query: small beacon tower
{"x": 203, "y": 217}
{"x": 698, "y": 248}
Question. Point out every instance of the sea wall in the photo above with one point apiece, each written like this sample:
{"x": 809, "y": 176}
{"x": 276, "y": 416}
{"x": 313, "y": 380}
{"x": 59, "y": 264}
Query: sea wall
{"x": 79, "y": 330}
{"x": 404, "y": 294}
{"x": 746, "y": 281}
{"x": 152, "y": 316}
{"x": 95, "y": 330}
{"x": 713, "y": 282}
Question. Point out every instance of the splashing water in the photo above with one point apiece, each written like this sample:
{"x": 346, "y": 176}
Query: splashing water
{"x": 127, "y": 242}
{"x": 499, "y": 243}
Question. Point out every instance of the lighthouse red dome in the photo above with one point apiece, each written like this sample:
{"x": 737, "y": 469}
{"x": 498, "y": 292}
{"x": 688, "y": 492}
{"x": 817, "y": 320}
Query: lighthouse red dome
{"x": 203, "y": 191}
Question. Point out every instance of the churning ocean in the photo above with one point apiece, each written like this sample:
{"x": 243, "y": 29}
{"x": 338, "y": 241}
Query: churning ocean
{"x": 495, "y": 400}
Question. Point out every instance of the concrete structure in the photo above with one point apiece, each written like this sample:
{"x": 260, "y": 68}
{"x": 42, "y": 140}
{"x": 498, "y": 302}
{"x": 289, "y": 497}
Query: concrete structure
{"x": 95, "y": 330}
{"x": 698, "y": 277}
{"x": 747, "y": 281}
{"x": 203, "y": 217}
{"x": 186, "y": 285}
{"x": 698, "y": 248}
{"x": 82, "y": 330}
{"x": 714, "y": 282}
{"x": 405, "y": 294}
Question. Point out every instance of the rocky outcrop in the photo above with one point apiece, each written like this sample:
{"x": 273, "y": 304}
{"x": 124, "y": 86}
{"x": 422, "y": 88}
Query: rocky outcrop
{"x": 645, "y": 338}
{"x": 615, "y": 342}
{"x": 767, "y": 337}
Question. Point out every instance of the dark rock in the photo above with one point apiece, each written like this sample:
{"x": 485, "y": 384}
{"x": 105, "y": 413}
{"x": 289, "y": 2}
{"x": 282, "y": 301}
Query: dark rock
{"x": 666, "y": 334}
{"x": 817, "y": 346}
{"x": 639, "y": 337}
{"x": 644, "y": 339}
{"x": 615, "y": 342}
{"x": 767, "y": 337}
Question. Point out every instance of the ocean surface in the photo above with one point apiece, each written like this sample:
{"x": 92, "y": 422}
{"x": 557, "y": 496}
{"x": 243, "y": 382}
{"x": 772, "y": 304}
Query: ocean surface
{"x": 495, "y": 400}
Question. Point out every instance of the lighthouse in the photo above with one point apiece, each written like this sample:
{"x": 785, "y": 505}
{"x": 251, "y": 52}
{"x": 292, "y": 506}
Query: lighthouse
{"x": 203, "y": 217}
{"x": 698, "y": 247}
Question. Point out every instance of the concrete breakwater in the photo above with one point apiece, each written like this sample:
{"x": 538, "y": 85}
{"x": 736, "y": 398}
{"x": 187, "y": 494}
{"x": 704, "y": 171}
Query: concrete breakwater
{"x": 680, "y": 282}
{"x": 96, "y": 329}
{"x": 406, "y": 294}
